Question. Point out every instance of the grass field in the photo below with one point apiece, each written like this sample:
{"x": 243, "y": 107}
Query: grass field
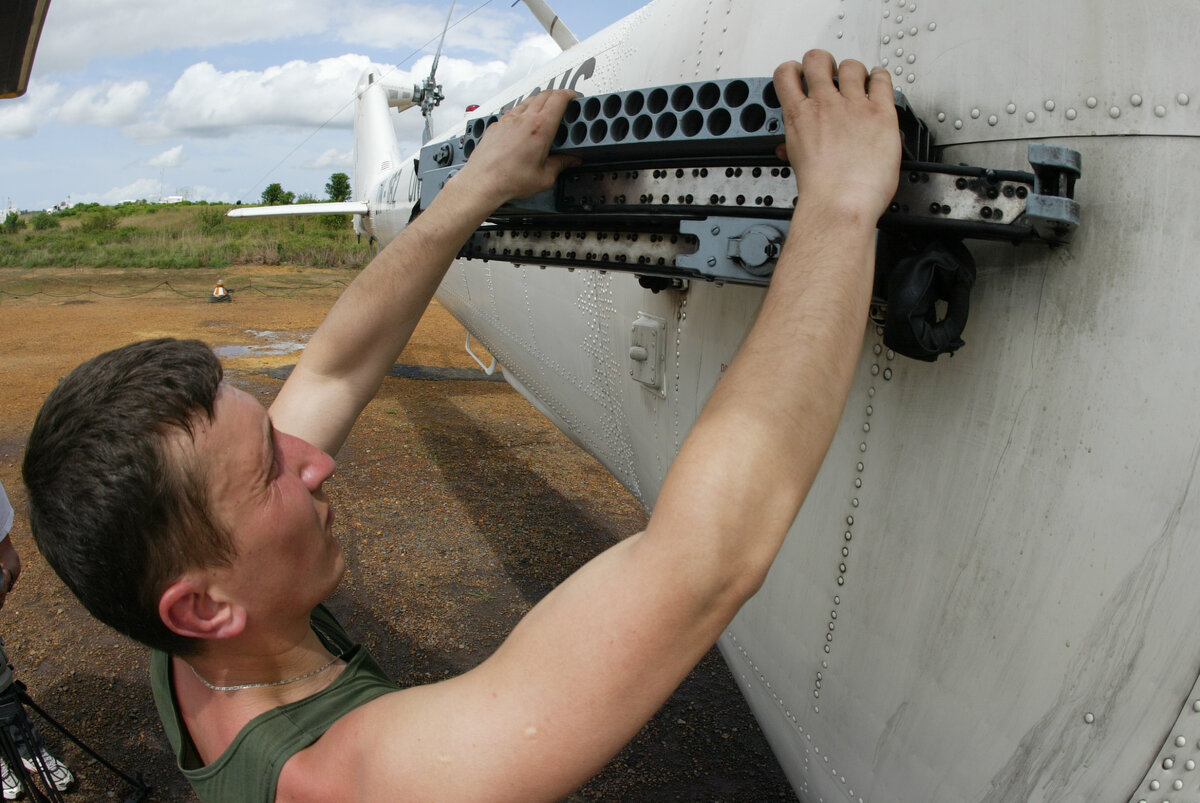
{"x": 184, "y": 235}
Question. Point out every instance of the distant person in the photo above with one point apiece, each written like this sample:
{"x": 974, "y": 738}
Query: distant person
{"x": 219, "y": 293}
{"x": 10, "y": 570}
{"x": 187, "y": 516}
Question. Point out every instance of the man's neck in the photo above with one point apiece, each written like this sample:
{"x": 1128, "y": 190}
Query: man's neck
{"x": 250, "y": 678}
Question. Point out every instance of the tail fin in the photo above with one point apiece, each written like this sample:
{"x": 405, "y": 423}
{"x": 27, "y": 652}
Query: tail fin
{"x": 376, "y": 152}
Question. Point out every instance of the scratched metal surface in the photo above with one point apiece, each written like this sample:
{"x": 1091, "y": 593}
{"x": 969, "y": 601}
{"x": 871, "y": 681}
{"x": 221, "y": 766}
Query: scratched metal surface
{"x": 991, "y": 593}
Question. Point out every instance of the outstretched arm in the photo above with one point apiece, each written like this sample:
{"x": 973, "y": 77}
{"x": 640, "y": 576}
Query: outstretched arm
{"x": 774, "y": 412}
{"x": 593, "y": 660}
{"x": 346, "y": 360}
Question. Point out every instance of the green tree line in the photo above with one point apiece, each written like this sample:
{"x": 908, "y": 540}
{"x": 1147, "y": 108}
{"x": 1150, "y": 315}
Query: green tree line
{"x": 337, "y": 188}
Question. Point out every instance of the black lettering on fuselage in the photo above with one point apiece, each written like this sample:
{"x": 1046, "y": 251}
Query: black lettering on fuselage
{"x": 393, "y": 185}
{"x": 585, "y": 70}
{"x": 569, "y": 80}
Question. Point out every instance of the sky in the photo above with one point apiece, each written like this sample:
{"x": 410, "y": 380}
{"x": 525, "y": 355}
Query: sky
{"x": 215, "y": 99}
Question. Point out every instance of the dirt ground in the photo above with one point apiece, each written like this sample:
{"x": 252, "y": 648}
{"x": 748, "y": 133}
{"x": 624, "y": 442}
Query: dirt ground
{"x": 458, "y": 505}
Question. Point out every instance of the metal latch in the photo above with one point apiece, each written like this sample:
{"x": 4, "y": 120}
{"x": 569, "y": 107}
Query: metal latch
{"x": 1052, "y": 208}
{"x": 735, "y": 249}
{"x": 647, "y": 345}
{"x": 757, "y": 248}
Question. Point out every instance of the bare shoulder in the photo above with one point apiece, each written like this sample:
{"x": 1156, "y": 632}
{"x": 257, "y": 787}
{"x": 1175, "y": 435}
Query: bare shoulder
{"x": 550, "y": 707}
{"x": 356, "y": 754}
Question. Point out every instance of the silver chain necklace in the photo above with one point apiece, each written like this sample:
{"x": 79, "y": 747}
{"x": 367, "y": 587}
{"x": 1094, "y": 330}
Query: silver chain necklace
{"x": 243, "y": 686}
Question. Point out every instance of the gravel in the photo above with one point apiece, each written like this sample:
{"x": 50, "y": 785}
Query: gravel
{"x": 459, "y": 507}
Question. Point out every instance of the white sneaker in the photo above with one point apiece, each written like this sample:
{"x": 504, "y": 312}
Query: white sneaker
{"x": 9, "y": 782}
{"x": 59, "y": 774}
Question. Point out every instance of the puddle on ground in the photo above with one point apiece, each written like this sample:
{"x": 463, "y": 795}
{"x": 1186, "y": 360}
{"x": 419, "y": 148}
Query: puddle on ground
{"x": 273, "y": 344}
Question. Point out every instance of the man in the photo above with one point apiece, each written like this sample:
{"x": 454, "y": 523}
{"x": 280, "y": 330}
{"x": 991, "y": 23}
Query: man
{"x": 214, "y": 542}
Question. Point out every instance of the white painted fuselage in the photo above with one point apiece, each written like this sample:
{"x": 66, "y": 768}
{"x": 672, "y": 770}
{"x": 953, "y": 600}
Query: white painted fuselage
{"x": 991, "y": 589}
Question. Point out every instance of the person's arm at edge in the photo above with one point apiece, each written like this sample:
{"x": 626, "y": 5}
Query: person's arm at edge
{"x": 593, "y": 660}
{"x": 10, "y": 560}
{"x": 345, "y": 362}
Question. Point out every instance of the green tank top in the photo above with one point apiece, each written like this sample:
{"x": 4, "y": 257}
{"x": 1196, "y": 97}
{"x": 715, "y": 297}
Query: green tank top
{"x": 249, "y": 768}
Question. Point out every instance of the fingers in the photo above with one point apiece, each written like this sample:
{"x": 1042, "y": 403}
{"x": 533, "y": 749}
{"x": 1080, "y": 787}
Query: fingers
{"x": 840, "y": 133}
{"x": 513, "y": 159}
{"x": 787, "y": 83}
{"x": 540, "y": 113}
{"x": 879, "y": 86}
{"x": 551, "y": 101}
{"x": 819, "y": 69}
{"x": 820, "y": 75}
{"x": 560, "y": 162}
{"x": 852, "y": 78}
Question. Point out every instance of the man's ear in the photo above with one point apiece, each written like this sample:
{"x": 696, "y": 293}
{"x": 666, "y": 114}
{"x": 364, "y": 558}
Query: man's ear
{"x": 190, "y": 608}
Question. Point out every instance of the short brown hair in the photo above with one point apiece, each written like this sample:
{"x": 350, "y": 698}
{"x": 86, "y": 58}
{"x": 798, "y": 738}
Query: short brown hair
{"x": 115, "y": 515}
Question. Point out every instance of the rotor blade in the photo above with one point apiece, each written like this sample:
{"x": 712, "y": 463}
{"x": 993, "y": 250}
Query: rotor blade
{"x": 552, "y": 23}
{"x": 442, "y": 41}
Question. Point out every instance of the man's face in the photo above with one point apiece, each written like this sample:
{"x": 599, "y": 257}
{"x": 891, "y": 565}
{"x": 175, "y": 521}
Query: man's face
{"x": 265, "y": 488}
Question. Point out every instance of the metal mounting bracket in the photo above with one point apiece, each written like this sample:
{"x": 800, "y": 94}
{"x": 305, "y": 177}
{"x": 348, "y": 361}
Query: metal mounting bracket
{"x": 743, "y": 250}
{"x": 1052, "y": 208}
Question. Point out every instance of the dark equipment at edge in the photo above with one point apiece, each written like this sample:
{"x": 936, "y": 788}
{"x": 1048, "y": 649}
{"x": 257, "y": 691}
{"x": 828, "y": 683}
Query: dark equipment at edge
{"x": 20, "y": 26}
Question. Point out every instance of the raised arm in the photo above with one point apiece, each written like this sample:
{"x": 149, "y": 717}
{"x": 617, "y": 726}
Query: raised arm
{"x": 775, "y": 410}
{"x": 593, "y": 660}
{"x": 346, "y": 360}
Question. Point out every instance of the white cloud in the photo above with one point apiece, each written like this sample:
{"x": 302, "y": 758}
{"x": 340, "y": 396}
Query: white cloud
{"x": 80, "y": 31}
{"x": 332, "y": 157}
{"x": 477, "y": 81}
{"x": 272, "y": 112}
{"x": 141, "y": 188}
{"x": 104, "y": 104}
{"x": 144, "y": 188}
{"x": 208, "y": 102}
{"x": 172, "y": 157}
{"x": 529, "y": 54}
{"x": 467, "y": 82}
{"x": 391, "y": 27}
{"x": 19, "y": 119}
